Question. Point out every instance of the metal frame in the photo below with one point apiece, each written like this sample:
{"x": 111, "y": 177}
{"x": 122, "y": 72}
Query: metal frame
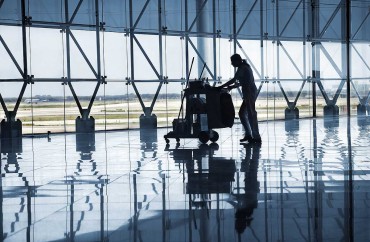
{"x": 315, "y": 36}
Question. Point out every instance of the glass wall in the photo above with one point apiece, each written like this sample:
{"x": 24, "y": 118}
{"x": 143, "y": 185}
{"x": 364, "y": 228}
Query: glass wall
{"x": 135, "y": 57}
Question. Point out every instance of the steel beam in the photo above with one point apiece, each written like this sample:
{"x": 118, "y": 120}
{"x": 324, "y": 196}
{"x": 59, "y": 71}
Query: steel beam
{"x": 201, "y": 58}
{"x": 4, "y": 105}
{"x": 362, "y": 23}
{"x": 11, "y": 56}
{"x": 146, "y": 57}
{"x": 197, "y": 15}
{"x": 160, "y": 42}
{"x": 339, "y": 6}
{"x": 292, "y": 61}
{"x": 132, "y": 56}
{"x": 98, "y": 60}
{"x": 361, "y": 57}
{"x": 347, "y": 67}
{"x": 249, "y": 60}
{"x": 70, "y": 21}
{"x": 246, "y": 17}
{"x": 141, "y": 14}
{"x": 83, "y": 53}
{"x": 290, "y": 19}
{"x": 215, "y": 36}
{"x": 26, "y": 77}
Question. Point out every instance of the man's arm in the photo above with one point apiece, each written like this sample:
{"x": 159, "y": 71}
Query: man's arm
{"x": 228, "y": 83}
{"x": 237, "y": 84}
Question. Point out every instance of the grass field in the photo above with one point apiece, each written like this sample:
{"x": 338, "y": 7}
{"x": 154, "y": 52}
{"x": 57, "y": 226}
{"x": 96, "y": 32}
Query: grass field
{"x": 123, "y": 114}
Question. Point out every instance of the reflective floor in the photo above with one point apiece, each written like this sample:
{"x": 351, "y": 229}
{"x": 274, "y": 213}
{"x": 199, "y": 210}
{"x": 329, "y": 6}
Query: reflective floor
{"x": 300, "y": 185}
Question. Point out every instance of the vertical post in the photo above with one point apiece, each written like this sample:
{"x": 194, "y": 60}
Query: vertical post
{"x": 348, "y": 51}
{"x": 349, "y": 204}
{"x": 202, "y": 27}
{"x": 101, "y": 193}
{"x": 187, "y": 39}
{"x": 215, "y": 36}
{"x": 234, "y": 25}
{"x": 317, "y": 196}
{"x": 98, "y": 62}
{"x": 261, "y": 42}
{"x": 66, "y": 14}
{"x": 25, "y": 63}
{"x": 160, "y": 40}
{"x": 277, "y": 41}
{"x": 315, "y": 51}
{"x": 71, "y": 211}
{"x": 29, "y": 211}
{"x": 164, "y": 207}
{"x": 97, "y": 31}
{"x": 304, "y": 41}
{"x": 24, "y": 40}
{"x": 132, "y": 42}
{"x": 136, "y": 215}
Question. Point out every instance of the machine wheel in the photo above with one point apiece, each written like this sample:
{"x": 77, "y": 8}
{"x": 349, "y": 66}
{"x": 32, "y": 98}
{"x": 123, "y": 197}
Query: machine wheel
{"x": 213, "y": 136}
{"x": 214, "y": 146}
{"x": 203, "y": 136}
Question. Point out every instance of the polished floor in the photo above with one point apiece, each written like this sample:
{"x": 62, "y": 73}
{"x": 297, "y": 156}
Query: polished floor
{"x": 300, "y": 185}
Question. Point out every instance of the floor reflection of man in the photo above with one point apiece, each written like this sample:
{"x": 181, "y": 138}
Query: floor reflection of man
{"x": 247, "y": 202}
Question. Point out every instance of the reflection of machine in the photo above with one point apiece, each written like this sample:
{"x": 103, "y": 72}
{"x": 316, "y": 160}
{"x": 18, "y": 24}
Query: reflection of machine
{"x": 208, "y": 177}
{"x": 206, "y": 173}
{"x": 207, "y": 108}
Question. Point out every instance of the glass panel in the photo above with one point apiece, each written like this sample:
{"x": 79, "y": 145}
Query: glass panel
{"x": 47, "y": 10}
{"x": 331, "y": 19}
{"x": 12, "y": 37}
{"x": 115, "y": 15}
{"x": 142, "y": 67}
{"x": 79, "y": 66}
{"x": 291, "y": 22}
{"x": 168, "y": 104}
{"x": 134, "y": 108}
{"x": 248, "y": 21}
{"x": 10, "y": 12}
{"x": 47, "y": 107}
{"x": 115, "y": 57}
{"x": 46, "y": 53}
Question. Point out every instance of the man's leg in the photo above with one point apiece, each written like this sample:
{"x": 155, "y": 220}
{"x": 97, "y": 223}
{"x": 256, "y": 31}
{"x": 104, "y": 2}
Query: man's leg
{"x": 243, "y": 115}
{"x": 252, "y": 119}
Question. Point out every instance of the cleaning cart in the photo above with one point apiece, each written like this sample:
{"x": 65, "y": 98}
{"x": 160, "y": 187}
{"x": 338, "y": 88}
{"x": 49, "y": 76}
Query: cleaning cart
{"x": 206, "y": 108}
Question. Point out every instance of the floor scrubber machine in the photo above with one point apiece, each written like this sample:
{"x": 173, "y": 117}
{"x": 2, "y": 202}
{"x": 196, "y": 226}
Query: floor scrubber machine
{"x": 207, "y": 108}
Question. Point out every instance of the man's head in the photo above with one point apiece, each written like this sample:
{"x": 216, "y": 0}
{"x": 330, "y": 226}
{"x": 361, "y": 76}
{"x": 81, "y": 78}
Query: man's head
{"x": 236, "y": 60}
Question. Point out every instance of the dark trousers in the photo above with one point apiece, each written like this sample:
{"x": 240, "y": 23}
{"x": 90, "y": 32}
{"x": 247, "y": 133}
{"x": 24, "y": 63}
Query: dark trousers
{"x": 248, "y": 117}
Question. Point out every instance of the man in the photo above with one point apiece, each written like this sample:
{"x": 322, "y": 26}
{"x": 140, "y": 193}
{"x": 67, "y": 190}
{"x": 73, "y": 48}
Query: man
{"x": 247, "y": 112}
{"x": 246, "y": 203}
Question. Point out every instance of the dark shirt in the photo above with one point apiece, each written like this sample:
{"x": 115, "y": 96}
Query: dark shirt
{"x": 245, "y": 77}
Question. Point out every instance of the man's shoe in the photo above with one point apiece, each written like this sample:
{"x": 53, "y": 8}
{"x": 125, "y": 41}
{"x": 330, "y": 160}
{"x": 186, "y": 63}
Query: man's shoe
{"x": 247, "y": 138}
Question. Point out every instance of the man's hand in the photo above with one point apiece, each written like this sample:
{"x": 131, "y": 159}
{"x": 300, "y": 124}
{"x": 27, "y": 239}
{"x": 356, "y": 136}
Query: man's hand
{"x": 219, "y": 87}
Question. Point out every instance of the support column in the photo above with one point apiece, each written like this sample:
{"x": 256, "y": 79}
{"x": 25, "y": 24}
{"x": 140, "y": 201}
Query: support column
{"x": 202, "y": 27}
{"x": 11, "y": 128}
{"x": 11, "y": 134}
{"x": 291, "y": 113}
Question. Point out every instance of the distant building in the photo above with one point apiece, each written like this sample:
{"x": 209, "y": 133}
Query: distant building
{"x": 29, "y": 100}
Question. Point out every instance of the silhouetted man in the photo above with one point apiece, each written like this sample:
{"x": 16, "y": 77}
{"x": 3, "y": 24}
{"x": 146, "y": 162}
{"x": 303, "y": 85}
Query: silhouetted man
{"x": 247, "y": 112}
